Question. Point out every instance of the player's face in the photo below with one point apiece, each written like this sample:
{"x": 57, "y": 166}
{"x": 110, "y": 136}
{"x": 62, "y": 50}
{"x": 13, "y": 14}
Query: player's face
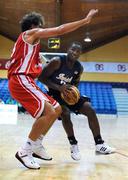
{"x": 74, "y": 52}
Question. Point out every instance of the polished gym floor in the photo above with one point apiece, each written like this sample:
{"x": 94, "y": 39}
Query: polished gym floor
{"x": 62, "y": 167}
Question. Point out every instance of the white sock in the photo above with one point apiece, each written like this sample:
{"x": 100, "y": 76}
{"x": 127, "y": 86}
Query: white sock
{"x": 39, "y": 140}
{"x": 41, "y": 137}
{"x": 30, "y": 143}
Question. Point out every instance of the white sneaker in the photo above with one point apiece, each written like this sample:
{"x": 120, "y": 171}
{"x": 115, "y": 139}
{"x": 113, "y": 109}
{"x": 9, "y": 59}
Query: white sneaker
{"x": 25, "y": 157}
{"x": 75, "y": 154}
{"x": 40, "y": 152}
{"x": 104, "y": 149}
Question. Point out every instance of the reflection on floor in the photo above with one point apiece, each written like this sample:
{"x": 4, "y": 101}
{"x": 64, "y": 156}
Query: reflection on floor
{"x": 62, "y": 167}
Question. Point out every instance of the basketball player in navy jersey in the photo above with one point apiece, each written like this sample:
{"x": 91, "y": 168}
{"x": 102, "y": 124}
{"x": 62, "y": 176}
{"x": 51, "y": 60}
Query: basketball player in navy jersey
{"x": 57, "y": 74}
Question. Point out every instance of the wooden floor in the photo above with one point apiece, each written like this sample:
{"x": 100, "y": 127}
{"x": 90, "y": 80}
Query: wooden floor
{"x": 62, "y": 167}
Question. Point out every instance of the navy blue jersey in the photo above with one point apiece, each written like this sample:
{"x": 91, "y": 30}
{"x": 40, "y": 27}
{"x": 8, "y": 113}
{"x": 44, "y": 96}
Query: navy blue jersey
{"x": 66, "y": 75}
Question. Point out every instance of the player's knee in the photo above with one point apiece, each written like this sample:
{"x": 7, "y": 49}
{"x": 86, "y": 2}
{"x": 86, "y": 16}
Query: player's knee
{"x": 65, "y": 112}
{"x": 49, "y": 110}
{"x": 54, "y": 113}
{"x": 58, "y": 110}
{"x": 87, "y": 109}
{"x": 90, "y": 111}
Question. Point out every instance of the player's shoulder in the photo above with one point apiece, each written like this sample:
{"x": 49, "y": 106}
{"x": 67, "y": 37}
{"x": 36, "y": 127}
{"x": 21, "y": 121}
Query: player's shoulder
{"x": 54, "y": 62}
{"x": 62, "y": 57}
{"x": 58, "y": 59}
{"x": 78, "y": 64}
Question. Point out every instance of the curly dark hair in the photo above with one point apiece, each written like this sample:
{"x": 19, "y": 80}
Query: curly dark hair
{"x": 30, "y": 19}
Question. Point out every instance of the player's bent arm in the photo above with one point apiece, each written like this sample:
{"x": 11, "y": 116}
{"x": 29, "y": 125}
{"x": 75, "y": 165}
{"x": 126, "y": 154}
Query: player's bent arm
{"x": 47, "y": 72}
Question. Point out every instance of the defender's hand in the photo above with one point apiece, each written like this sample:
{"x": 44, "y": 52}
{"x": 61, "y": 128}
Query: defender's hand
{"x": 91, "y": 13}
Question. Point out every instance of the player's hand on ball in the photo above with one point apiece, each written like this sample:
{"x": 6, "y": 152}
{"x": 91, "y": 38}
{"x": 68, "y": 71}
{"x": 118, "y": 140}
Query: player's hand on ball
{"x": 70, "y": 94}
{"x": 64, "y": 89}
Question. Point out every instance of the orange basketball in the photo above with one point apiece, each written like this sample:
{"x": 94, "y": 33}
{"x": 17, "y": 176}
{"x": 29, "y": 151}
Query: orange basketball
{"x": 72, "y": 97}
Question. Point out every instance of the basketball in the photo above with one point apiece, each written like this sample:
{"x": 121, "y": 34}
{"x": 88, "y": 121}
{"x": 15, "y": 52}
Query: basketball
{"x": 72, "y": 97}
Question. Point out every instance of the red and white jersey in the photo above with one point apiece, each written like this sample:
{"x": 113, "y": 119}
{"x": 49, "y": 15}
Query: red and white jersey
{"x": 25, "y": 59}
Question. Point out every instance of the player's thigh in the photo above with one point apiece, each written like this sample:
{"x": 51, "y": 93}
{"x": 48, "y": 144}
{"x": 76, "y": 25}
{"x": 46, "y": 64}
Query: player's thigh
{"x": 25, "y": 91}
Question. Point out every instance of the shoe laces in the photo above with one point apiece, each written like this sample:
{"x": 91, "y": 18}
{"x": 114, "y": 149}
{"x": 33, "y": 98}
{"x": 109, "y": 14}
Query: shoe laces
{"x": 40, "y": 146}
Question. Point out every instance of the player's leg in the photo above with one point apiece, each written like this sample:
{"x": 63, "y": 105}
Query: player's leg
{"x": 68, "y": 126}
{"x": 101, "y": 147}
{"x": 38, "y": 150}
{"x": 40, "y": 128}
{"x": 35, "y": 103}
{"x": 33, "y": 145}
{"x": 45, "y": 121}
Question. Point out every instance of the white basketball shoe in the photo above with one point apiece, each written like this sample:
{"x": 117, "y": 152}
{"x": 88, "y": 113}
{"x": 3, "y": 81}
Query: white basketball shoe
{"x": 26, "y": 158}
{"x": 75, "y": 153}
{"x": 104, "y": 149}
{"x": 40, "y": 152}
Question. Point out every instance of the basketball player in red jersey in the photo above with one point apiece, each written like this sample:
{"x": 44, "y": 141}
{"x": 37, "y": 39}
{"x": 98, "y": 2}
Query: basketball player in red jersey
{"x": 25, "y": 66}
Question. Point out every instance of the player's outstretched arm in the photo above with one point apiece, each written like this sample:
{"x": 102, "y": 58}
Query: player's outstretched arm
{"x": 65, "y": 28}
